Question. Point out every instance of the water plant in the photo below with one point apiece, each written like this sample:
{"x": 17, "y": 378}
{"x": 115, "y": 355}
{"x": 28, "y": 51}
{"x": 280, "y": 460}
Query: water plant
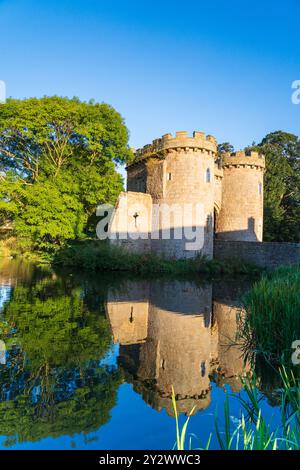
{"x": 180, "y": 433}
{"x": 252, "y": 431}
{"x": 272, "y": 322}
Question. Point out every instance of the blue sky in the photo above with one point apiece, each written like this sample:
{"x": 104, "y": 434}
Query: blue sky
{"x": 222, "y": 67}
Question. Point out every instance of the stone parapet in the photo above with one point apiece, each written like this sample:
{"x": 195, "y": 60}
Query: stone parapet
{"x": 181, "y": 141}
{"x": 218, "y": 172}
{"x": 242, "y": 159}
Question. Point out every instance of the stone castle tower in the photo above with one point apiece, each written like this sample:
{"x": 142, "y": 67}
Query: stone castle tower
{"x": 179, "y": 193}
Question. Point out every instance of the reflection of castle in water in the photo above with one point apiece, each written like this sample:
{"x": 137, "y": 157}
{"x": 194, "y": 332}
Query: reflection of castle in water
{"x": 173, "y": 333}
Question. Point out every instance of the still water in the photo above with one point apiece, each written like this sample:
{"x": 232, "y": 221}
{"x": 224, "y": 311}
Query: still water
{"x": 87, "y": 362}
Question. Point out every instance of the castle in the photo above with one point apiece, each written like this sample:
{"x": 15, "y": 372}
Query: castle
{"x": 177, "y": 175}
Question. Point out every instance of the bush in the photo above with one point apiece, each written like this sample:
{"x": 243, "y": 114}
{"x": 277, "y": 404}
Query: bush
{"x": 100, "y": 256}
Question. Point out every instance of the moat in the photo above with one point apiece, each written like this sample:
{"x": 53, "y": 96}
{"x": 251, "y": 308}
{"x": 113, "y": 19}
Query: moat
{"x": 88, "y": 362}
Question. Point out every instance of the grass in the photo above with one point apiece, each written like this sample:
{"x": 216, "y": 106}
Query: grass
{"x": 180, "y": 433}
{"x": 252, "y": 432}
{"x": 272, "y": 316}
{"x": 92, "y": 255}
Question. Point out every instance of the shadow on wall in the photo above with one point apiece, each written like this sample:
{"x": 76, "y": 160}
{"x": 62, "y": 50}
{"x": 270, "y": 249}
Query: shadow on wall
{"x": 181, "y": 242}
{"x": 247, "y": 235}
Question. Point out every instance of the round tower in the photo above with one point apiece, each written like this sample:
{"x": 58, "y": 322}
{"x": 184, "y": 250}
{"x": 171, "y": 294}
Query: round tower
{"x": 241, "y": 214}
{"x": 178, "y": 172}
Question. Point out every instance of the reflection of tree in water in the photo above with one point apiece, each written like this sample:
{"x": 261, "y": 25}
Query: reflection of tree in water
{"x": 53, "y": 383}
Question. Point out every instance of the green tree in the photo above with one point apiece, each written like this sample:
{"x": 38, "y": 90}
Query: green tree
{"x": 225, "y": 147}
{"x": 57, "y": 163}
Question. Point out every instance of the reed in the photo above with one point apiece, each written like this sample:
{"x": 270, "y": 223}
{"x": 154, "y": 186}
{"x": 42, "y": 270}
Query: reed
{"x": 272, "y": 315}
{"x": 252, "y": 431}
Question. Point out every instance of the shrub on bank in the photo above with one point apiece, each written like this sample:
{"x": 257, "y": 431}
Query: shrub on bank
{"x": 100, "y": 256}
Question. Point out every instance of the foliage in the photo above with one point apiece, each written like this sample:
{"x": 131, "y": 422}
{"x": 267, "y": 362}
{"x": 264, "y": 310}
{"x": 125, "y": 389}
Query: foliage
{"x": 51, "y": 406}
{"x": 54, "y": 326}
{"x": 253, "y": 431}
{"x": 53, "y": 383}
{"x": 272, "y": 322}
{"x": 180, "y": 433}
{"x": 225, "y": 147}
{"x": 98, "y": 255}
{"x": 57, "y": 162}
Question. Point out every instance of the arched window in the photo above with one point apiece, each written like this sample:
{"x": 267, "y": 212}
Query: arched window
{"x": 260, "y": 189}
{"x": 208, "y": 177}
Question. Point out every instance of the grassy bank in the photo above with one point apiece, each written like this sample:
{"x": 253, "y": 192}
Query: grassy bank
{"x": 99, "y": 256}
{"x": 272, "y": 320}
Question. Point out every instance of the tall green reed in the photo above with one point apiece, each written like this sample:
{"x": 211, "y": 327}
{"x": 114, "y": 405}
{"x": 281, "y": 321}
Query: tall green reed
{"x": 252, "y": 430}
{"x": 272, "y": 316}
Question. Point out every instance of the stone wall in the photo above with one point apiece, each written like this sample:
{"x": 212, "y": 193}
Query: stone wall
{"x": 136, "y": 178}
{"x": 218, "y": 183}
{"x": 266, "y": 254}
{"x": 131, "y": 223}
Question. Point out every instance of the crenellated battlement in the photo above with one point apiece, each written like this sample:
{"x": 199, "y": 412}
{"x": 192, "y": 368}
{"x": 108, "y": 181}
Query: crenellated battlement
{"x": 243, "y": 159}
{"x": 181, "y": 140}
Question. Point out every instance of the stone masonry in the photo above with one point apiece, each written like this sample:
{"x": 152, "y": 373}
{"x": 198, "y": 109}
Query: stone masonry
{"x": 185, "y": 172}
{"x": 175, "y": 172}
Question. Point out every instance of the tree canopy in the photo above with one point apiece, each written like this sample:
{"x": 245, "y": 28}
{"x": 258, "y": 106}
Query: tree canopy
{"x": 58, "y": 161}
{"x": 224, "y": 148}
